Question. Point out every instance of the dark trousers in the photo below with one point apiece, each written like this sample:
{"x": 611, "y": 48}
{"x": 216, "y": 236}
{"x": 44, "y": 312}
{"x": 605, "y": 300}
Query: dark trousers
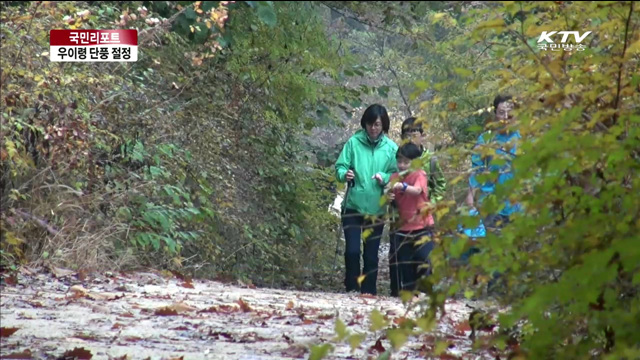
{"x": 407, "y": 259}
{"x": 355, "y": 228}
{"x": 493, "y": 223}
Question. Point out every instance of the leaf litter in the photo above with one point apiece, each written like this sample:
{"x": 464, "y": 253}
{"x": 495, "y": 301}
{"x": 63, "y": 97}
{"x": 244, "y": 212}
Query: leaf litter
{"x": 180, "y": 317}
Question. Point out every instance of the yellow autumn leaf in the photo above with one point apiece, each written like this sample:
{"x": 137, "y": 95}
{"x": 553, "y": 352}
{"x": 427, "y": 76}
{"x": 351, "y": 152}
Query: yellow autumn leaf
{"x": 366, "y": 234}
{"x": 406, "y": 296}
{"x": 426, "y": 324}
{"x": 457, "y": 179}
{"x": 437, "y": 17}
{"x": 378, "y": 322}
{"x": 495, "y": 23}
{"x": 397, "y": 337}
{"x": 633, "y": 49}
{"x": 473, "y": 85}
{"x": 356, "y": 339}
{"x": 441, "y": 347}
{"x": 13, "y": 240}
{"x": 341, "y": 330}
{"x": 442, "y": 212}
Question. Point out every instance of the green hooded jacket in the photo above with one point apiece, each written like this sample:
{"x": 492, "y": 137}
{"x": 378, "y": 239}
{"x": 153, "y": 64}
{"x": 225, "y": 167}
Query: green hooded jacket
{"x": 367, "y": 158}
{"x": 437, "y": 181}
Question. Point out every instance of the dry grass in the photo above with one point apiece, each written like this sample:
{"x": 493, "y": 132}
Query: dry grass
{"x": 61, "y": 225}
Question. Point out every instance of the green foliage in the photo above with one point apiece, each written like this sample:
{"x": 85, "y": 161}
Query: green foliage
{"x": 569, "y": 264}
{"x": 562, "y": 260}
{"x": 181, "y": 193}
{"x": 160, "y": 217}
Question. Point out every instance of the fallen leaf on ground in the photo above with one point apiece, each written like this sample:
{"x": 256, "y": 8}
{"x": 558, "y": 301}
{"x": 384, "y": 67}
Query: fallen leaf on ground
{"x": 25, "y": 354}
{"x": 377, "y": 347}
{"x": 166, "y": 311}
{"x": 462, "y": 328}
{"x": 219, "y": 334}
{"x": 252, "y": 337}
{"x": 188, "y": 285}
{"x": 80, "y": 291}
{"x": 82, "y": 275}
{"x": 60, "y": 272}
{"x": 11, "y": 280}
{"x": 85, "y": 337}
{"x": 244, "y": 306}
{"x": 326, "y": 316}
{"x": 6, "y": 332}
{"x": 132, "y": 339}
{"x": 78, "y": 353}
{"x": 290, "y": 305}
{"x": 27, "y": 271}
{"x": 35, "y": 304}
{"x": 224, "y": 309}
{"x": 174, "y": 309}
{"x": 180, "y": 328}
{"x": 448, "y": 357}
{"x": 180, "y": 276}
{"x": 295, "y": 351}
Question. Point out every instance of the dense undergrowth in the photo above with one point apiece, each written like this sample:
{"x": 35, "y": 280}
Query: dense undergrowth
{"x": 190, "y": 158}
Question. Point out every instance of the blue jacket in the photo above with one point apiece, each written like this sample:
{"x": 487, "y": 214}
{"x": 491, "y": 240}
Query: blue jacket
{"x": 480, "y": 165}
{"x": 478, "y": 232}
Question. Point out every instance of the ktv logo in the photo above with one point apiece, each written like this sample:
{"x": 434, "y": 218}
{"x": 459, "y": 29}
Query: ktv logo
{"x": 563, "y": 45}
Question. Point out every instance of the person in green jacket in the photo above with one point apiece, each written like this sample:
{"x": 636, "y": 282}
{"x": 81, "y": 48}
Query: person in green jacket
{"x": 367, "y": 160}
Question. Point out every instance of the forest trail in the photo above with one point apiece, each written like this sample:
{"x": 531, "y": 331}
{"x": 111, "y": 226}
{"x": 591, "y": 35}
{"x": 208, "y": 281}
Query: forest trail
{"x": 151, "y": 315}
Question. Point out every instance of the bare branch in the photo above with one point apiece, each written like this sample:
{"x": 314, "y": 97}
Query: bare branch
{"x": 33, "y": 15}
{"x": 39, "y": 221}
{"x": 404, "y": 98}
{"x": 333, "y": 8}
{"x": 624, "y": 50}
{"x": 148, "y": 33}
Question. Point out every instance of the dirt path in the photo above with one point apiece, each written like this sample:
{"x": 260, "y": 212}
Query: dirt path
{"x": 146, "y": 315}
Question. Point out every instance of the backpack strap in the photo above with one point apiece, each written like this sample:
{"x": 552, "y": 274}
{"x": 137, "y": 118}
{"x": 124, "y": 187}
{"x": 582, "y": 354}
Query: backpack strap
{"x": 432, "y": 172}
{"x": 432, "y": 165}
{"x": 432, "y": 177}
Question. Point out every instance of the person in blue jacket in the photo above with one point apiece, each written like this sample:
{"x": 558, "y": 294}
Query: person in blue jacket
{"x": 502, "y": 144}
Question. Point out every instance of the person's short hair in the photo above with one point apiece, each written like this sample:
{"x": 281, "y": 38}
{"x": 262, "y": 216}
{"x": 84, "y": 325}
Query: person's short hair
{"x": 372, "y": 113}
{"x": 499, "y": 99}
{"x": 410, "y": 124}
{"x": 409, "y": 151}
